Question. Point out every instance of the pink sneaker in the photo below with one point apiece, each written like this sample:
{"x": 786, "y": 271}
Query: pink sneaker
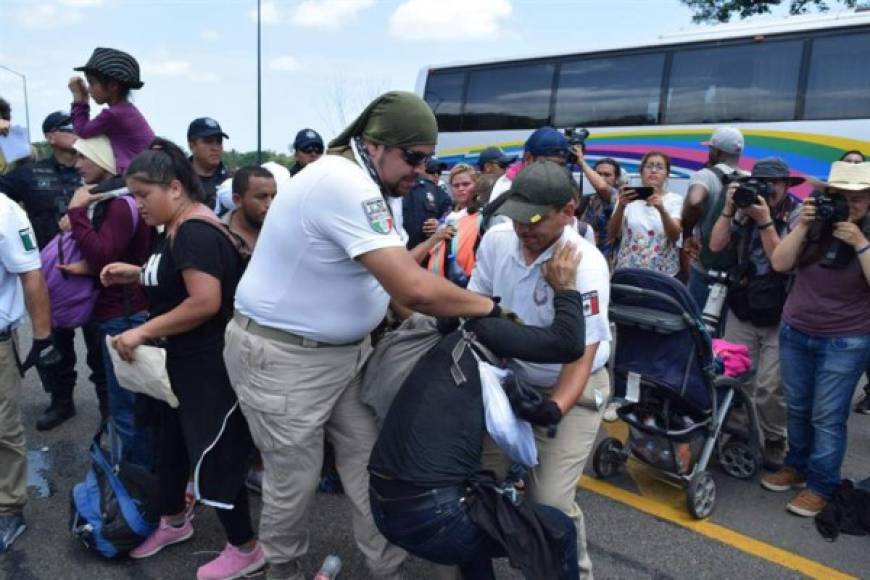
{"x": 164, "y": 535}
{"x": 232, "y": 563}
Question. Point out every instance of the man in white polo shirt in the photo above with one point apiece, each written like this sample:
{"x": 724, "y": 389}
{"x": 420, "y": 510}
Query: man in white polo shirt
{"x": 329, "y": 258}
{"x": 20, "y": 280}
{"x": 541, "y": 203}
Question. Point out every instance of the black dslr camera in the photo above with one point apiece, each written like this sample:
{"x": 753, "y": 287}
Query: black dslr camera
{"x": 831, "y": 209}
{"x": 576, "y": 136}
{"x": 748, "y": 190}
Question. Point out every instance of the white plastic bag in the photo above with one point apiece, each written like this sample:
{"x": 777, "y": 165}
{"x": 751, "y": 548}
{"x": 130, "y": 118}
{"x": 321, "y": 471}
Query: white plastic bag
{"x": 513, "y": 436}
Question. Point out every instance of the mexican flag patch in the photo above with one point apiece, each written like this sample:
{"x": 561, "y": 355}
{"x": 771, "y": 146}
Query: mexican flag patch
{"x": 590, "y": 303}
{"x": 27, "y": 239}
{"x": 378, "y": 215}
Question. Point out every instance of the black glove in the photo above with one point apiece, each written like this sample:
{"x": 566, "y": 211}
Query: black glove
{"x": 531, "y": 405}
{"x": 42, "y": 353}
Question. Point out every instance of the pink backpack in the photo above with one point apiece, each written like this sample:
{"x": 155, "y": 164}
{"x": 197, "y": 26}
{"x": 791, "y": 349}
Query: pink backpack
{"x": 72, "y": 297}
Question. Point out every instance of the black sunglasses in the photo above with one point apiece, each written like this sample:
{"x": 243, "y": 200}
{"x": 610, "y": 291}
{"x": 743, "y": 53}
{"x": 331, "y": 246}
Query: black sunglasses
{"x": 313, "y": 150}
{"x": 416, "y": 158}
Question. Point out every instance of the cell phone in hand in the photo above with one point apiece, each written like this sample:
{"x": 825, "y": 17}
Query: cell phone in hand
{"x": 642, "y": 192}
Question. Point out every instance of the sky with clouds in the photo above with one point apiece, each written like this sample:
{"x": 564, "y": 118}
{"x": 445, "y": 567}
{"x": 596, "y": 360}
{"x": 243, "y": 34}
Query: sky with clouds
{"x": 322, "y": 60}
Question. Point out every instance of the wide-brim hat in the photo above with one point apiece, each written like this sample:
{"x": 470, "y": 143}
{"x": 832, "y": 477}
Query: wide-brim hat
{"x": 773, "y": 169}
{"x": 845, "y": 176}
{"x": 115, "y": 64}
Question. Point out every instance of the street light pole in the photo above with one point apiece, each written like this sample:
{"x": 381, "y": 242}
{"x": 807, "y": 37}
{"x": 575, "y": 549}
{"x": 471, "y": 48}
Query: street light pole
{"x": 259, "y": 93}
{"x": 26, "y": 102}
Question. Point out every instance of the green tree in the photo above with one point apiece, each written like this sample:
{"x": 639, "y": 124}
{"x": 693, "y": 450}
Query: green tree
{"x": 234, "y": 159}
{"x": 723, "y": 10}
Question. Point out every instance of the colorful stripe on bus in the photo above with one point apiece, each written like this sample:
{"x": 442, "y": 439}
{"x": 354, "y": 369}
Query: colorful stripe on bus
{"x": 807, "y": 154}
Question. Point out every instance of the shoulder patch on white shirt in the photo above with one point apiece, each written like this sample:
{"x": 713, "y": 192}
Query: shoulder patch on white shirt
{"x": 590, "y": 303}
{"x": 378, "y": 215}
{"x": 27, "y": 239}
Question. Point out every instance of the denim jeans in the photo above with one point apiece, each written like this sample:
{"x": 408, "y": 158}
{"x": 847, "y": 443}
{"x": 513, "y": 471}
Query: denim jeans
{"x": 136, "y": 442}
{"x": 445, "y": 534}
{"x": 698, "y": 287}
{"x": 819, "y": 376}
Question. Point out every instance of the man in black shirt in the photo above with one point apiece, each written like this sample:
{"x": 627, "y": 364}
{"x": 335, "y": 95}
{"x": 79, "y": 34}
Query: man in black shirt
{"x": 205, "y": 138}
{"x": 430, "y": 447}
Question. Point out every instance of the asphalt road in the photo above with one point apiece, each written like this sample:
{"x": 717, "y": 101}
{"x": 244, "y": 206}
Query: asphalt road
{"x": 624, "y": 542}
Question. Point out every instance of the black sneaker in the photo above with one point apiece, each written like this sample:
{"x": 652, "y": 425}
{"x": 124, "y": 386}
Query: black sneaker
{"x": 863, "y": 406}
{"x": 11, "y": 526}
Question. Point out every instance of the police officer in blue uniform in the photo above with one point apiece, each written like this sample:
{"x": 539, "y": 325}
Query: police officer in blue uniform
{"x": 427, "y": 200}
{"x": 44, "y": 188}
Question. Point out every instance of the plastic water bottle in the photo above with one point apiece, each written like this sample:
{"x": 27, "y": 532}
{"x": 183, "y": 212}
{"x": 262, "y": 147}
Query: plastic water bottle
{"x": 329, "y": 569}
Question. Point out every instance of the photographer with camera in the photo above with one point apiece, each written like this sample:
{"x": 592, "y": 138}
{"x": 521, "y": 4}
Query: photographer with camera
{"x": 753, "y": 220}
{"x": 824, "y": 339}
{"x": 646, "y": 221}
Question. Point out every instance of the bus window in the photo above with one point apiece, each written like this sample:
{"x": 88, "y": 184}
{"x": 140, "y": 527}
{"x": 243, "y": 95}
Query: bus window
{"x": 444, "y": 95}
{"x": 511, "y": 97}
{"x": 747, "y": 82}
{"x": 619, "y": 90}
{"x": 839, "y": 78}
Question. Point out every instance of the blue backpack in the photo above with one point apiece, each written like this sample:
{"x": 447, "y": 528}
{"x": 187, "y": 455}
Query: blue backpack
{"x": 113, "y": 510}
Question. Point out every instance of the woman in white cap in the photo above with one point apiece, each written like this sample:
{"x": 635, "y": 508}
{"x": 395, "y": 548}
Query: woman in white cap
{"x": 824, "y": 340}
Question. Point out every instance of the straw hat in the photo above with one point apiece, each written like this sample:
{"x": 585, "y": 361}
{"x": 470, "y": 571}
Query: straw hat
{"x": 846, "y": 177}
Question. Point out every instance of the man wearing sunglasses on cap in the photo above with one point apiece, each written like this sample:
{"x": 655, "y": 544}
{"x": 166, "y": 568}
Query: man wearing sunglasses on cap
{"x": 330, "y": 256}
{"x": 307, "y": 148}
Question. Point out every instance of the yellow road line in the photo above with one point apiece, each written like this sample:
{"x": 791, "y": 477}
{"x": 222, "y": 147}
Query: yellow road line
{"x": 713, "y": 531}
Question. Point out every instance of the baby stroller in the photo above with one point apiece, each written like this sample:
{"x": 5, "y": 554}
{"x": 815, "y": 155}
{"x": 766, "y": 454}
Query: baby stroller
{"x": 677, "y": 403}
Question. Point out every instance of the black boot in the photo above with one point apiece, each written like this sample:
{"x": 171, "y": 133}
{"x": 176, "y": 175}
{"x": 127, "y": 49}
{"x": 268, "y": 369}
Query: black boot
{"x": 59, "y": 411}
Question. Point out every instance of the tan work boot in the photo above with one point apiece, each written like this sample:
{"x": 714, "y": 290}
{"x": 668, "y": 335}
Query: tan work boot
{"x": 785, "y": 479}
{"x": 807, "y": 504}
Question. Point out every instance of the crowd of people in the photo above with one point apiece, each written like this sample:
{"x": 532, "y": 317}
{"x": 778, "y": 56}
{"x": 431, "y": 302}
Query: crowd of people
{"x": 267, "y": 288}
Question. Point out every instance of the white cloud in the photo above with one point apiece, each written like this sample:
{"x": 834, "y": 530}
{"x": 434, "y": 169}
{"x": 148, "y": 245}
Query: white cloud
{"x": 330, "y": 14}
{"x": 46, "y": 17}
{"x": 269, "y": 13}
{"x": 176, "y": 68}
{"x": 285, "y": 63}
{"x": 210, "y": 35}
{"x": 449, "y": 20}
{"x": 81, "y": 3}
{"x": 204, "y": 77}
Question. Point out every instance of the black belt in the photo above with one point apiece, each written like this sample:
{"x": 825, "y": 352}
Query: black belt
{"x": 422, "y": 499}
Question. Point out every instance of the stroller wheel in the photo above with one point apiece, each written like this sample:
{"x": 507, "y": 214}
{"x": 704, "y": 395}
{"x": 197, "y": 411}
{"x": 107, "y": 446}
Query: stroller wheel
{"x": 701, "y": 495}
{"x": 738, "y": 460}
{"x": 607, "y": 458}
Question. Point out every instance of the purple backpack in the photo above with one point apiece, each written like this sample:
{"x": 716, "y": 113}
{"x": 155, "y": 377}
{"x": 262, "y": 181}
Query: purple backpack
{"x": 72, "y": 297}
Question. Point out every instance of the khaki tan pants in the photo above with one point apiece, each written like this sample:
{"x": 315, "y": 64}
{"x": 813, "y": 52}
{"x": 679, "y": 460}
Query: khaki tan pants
{"x": 13, "y": 453}
{"x": 765, "y": 391}
{"x": 561, "y": 461}
{"x": 290, "y": 395}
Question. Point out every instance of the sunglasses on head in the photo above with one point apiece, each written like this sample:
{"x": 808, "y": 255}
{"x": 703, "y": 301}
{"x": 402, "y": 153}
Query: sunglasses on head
{"x": 314, "y": 149}
{"x": 416, "y": 158}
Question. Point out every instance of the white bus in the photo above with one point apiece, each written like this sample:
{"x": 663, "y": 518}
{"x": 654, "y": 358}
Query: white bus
{"x": 798, "y": 88}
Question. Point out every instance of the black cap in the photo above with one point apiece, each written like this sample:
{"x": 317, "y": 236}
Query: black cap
{"x": 57, "y": 121}
{"x": 204, "y": 127}
{"x": 491, "y": 154}
{"x": 115, "y": 64}
{"x": 774, "y": 169}
{"x": 435, "y": 166}
{"x": 536, "y": 189}
{"x": 307, "y": 138}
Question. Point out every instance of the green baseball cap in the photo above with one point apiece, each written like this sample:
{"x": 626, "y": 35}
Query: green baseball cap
{"x": 537, "y": 189}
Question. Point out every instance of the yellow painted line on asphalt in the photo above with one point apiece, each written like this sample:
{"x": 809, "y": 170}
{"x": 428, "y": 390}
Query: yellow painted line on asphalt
{"x": 667, "y": 502}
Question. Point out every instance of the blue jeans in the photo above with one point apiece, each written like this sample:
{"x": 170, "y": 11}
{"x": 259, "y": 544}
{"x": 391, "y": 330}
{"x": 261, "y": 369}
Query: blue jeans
{"x": 136, "y": 442}
{"x": 819, "y": 376}
{"x": 445, "y": 534}
{"x": 698, "y": 288}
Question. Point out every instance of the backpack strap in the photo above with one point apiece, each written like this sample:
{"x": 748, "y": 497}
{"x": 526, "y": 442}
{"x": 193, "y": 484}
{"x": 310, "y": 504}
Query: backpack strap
{"x": 209, "y": 217}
